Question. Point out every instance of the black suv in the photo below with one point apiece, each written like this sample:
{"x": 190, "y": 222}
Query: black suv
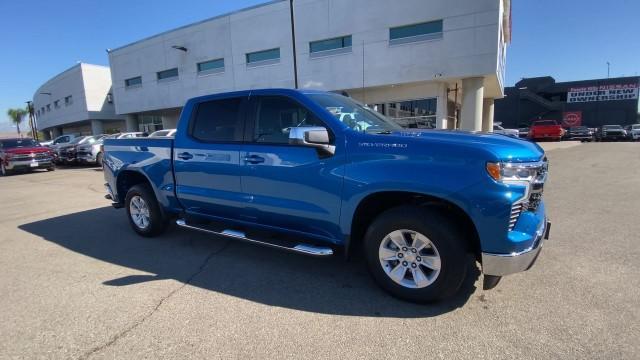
{"x": 581, "y": 133}
{"x": 610, "y": 132}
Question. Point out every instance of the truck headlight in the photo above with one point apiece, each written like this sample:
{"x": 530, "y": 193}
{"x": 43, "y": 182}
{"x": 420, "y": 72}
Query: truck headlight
{"x": 514, "y": 173}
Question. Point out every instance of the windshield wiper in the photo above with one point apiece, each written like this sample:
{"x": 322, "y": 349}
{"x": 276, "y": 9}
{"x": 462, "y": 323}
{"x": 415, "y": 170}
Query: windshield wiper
{"x": 383, "y": 132}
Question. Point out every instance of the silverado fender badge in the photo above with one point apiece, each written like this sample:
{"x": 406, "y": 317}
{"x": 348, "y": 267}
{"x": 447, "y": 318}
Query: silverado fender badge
{"x": 382, "y": 145}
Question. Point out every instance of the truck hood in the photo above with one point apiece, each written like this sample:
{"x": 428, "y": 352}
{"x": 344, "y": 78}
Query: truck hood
{"x": 27, "y": 150}
{"x": 505, "y": 148}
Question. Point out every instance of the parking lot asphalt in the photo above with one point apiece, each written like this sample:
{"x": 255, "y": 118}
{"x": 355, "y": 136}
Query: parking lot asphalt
{"x": 75, "y": 282}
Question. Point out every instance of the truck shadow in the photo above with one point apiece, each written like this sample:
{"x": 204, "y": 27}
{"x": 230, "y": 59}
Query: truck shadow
{"x": 259, "y": 274}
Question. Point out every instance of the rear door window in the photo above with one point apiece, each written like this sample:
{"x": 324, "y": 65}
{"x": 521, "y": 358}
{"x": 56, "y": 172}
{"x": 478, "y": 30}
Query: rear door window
{"x": 219, "y": 121}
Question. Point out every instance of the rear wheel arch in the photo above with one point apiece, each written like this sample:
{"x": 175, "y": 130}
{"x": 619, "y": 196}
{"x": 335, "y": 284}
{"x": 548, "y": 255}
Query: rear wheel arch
{"x": 128, "y": 179}
{"x": 376, "y": 203}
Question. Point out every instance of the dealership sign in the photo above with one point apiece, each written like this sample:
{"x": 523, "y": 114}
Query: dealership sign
{"x": 603, "y": 93}
{"x": 571, "y": 118}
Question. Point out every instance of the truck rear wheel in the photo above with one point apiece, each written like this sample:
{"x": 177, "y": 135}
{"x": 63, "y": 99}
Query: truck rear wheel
{"x": 416, "y": 254}
{"x": 143, "y": 211}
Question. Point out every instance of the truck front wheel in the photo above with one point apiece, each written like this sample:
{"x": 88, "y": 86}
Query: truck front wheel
{"x": 416, "y": 254}
{"x": 143, "y": 211}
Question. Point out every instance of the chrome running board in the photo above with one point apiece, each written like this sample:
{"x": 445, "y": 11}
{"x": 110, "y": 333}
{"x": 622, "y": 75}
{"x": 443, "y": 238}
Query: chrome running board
{"x": 305, "y": 249}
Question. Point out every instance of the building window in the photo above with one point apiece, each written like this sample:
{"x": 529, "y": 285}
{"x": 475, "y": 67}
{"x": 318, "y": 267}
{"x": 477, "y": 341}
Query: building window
{"x": 68, "y": 100}
{"x": 334, "y": 45}
{"x": 133, "y": 82}
{"x": 211, "y": 67}
{"x": 56, "y": 104}
{"x": 417, "y": 32}
{"x": 265, "y": 57}
{"x": 42, "y": 110}
{"x": 149, "y": 123}
{"x": 110, "y": 98}
{"x": 420, "y": 113}
{"x": 167, "y": 75}
{"x": 48, "y": 107}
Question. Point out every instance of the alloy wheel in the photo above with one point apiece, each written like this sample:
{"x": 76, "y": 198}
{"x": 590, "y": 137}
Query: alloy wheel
{"x": 409, "y": 258}
{"x": 139, "y": 211}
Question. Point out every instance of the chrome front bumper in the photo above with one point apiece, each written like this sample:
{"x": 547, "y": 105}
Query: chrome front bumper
{"x": 505, "y": 264}
{"x": 34, "y": 163}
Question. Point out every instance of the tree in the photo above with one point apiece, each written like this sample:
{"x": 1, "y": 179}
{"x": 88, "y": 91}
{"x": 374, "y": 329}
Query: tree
{"x": 16, "y": 116}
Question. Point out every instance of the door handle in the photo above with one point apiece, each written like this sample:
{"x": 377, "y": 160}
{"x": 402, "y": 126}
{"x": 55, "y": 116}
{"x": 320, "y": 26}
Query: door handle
{"x": 185, "y": 156}
{"x": 253, "y": 159}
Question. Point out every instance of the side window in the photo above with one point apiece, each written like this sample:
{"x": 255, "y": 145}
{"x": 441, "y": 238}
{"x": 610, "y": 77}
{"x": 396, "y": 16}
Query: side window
{"x": 276, "y": 115}
{"x": 218, "y": 121}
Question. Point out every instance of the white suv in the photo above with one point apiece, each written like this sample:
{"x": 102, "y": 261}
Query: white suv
{"x": 633, "y": 132}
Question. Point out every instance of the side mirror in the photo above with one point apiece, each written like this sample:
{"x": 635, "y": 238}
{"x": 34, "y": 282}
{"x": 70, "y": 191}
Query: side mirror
{"x": 312, "y": 136}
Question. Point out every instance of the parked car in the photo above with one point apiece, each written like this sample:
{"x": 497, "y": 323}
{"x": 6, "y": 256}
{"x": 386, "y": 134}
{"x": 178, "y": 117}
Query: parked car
{"x": 546, "y": 129}
{"x": 60, "y": 140}
{"x": 523, "y": 132}
{"x": 131, "y": 135}
{"x": 163, "y": 133}
{"x": 90, "y": 152}
{"x": 633, "y": 132}
{"x": 24, "y": 154}
{"x": 298, "y": 179}
{"x": 581, "y": 133}
{"x": 68, "y": 154}
{"x": 498, "y": 129}
{"x": 610, "y": 132}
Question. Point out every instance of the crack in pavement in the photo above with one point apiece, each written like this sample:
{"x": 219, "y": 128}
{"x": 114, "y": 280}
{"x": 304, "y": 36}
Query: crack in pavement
{"x": 133, "y": 326}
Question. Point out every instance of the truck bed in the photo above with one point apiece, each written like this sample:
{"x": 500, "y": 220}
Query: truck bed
{"x": 149, "y": 157}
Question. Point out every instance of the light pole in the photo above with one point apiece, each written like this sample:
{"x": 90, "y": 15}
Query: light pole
{"x": 608, "y": 69}
{"x": 293, "y": 43}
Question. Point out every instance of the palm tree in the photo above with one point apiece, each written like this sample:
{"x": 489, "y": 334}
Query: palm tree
{"x": 17, "y": 115}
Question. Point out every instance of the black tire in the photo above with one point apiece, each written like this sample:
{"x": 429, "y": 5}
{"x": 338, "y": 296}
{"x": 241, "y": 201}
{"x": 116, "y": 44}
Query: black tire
{"x": 156, "y": 223}
{"x": 53, "y": 168}
{"x": 99, "y": 159}
{"x": 442, "y": 233}
{"x": 4, "y": 171}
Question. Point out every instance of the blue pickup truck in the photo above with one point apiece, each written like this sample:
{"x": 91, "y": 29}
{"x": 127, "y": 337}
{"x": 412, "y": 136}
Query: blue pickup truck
{"x": 318, "y": 173}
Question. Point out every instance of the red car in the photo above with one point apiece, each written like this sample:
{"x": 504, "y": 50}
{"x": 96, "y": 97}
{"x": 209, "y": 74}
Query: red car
{"x": 24, "y": 154}
{"x": 546, "y": 129}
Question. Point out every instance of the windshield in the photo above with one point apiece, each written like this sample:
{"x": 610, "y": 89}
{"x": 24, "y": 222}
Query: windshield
{"x": 91, "y": 139}
{"x": 160, "y": 133}
{"x": 636, "y": 127}
{"x": 608, "y": 127}
{"x": 19, "y": 143}
{"x": 355, "y": 115}
{"x": 577, "y": 128}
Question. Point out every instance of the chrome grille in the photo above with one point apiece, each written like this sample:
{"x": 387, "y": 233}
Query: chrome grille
{"x": 516, "y": 210}
{"x": 33, "y": 156}
{"x": 535, "y": 195}
{"x": 21, "y": 157}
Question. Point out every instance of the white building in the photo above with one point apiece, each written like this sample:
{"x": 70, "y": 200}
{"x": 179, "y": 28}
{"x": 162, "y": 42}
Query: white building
{"x": 77, "y": 101}
{"x": 423, "y": 61}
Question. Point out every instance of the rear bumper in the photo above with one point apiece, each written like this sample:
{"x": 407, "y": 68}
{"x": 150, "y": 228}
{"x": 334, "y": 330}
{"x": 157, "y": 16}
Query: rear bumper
{"x": 506, "y": 264}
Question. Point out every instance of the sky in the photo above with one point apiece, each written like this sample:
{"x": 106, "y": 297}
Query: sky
{"x": 567, "y": 39}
